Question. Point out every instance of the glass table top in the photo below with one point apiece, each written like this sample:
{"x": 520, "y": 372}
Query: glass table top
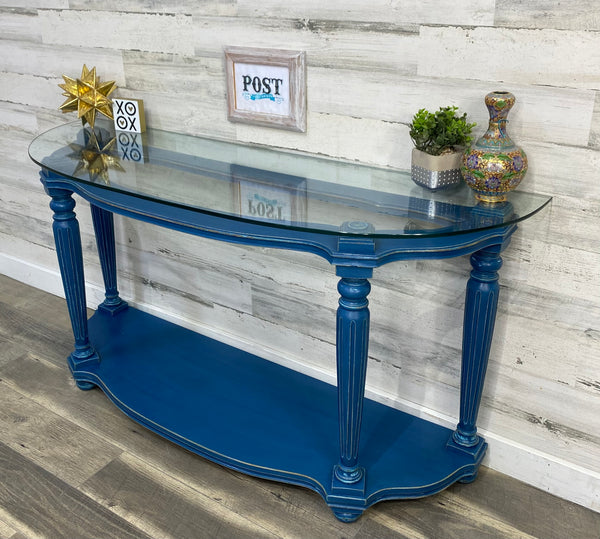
{"x": 274, "y": 187}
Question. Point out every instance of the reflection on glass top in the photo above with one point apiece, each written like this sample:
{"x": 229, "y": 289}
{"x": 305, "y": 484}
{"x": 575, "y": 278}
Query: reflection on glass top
{"x": 274, "y": 187}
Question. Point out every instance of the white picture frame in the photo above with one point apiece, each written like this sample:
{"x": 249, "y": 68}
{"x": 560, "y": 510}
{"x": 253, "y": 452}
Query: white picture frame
{"x": 266, "y": 87}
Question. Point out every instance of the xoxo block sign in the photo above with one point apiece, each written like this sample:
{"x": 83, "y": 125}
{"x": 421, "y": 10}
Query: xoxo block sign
{"x": 129, "y": 115}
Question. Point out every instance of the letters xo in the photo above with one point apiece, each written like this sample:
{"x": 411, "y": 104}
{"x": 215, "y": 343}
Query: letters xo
{"x": 128, "y": 115}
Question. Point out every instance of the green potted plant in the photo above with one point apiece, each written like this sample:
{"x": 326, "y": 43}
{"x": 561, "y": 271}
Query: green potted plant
{"x": 440, "y": 138}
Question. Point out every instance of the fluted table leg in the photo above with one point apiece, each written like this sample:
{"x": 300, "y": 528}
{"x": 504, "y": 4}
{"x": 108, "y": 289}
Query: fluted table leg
{"x": 105, "y": 240}
{"x": 352, "y": 352}
{"x": 70, "y": 260}
{"x": 480, "y": 315}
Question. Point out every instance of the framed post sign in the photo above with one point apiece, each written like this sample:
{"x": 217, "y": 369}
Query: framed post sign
{"x": 266, "y": 87}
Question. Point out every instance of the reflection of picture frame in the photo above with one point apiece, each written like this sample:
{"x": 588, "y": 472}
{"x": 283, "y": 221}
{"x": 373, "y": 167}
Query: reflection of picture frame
{"x": 266, "y": 87}
{"x": 269, "y": 196}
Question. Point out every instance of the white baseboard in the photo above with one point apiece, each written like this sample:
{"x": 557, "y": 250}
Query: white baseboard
{"x": 546, "y": 472}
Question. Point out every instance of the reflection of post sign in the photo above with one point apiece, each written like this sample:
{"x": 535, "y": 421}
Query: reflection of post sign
{"x": 129, "y": 115}
{"x": 130, "y": 146}
{"x": 260, "y": 201}
{"x": 267, "y": 87}
{"x": 275, "y": 197}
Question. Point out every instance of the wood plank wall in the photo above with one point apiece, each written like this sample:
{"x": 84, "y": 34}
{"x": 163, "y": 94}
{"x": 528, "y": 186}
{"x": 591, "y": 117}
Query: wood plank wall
{"x": 371, "y": 65}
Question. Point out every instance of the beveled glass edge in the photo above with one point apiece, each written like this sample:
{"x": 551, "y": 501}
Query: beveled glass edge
{"x": 308, "y": 227}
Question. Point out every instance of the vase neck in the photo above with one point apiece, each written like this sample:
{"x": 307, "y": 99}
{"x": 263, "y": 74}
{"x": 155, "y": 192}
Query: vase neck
{"x": 496, "y": 135}
{"x": 498, "y": 105}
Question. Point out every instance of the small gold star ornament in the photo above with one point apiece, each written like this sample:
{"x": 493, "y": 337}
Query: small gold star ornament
{"x": 87, "y": 96}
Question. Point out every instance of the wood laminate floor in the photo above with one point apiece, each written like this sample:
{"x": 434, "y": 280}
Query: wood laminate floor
{"x": 73, "y": 466}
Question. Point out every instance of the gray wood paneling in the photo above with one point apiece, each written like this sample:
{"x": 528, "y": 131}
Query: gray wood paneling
{"x": 19, "y": 21}
{"x": 118, "y": 30}
{"x": 455, "y": 52}
{"x": 595, "y": 130}
{"x": 573, "y": 15}
{"x": 468, "y": 12}
{"x": 204, "y": 7}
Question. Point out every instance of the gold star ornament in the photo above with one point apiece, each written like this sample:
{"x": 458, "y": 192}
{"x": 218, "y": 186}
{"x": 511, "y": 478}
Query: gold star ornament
{"x": 87, "y": 96}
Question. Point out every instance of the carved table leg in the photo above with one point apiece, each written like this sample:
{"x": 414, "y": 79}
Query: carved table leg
{"x": 480, "y": 315}
{"x": 352, "y": 352}
{"x": 105, "y": 240}
{"x": 70, "y": 260}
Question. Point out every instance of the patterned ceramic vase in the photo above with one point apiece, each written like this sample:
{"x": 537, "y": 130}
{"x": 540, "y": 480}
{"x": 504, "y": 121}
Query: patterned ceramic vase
{"x": 494, "y": 165}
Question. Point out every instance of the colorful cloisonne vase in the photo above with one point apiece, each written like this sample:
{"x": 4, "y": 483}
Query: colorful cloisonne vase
{"x": 494, "y": 165}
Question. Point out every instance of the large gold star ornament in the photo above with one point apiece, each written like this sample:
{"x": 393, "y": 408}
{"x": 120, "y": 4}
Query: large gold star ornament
{"x": 87, "y": 96}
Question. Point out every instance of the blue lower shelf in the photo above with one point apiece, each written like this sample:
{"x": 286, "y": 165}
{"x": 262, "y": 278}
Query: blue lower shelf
{"x": 263, "y": 419}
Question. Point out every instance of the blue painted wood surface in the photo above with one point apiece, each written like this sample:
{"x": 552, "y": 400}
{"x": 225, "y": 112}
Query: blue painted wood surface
{"x": 260, "y": 418}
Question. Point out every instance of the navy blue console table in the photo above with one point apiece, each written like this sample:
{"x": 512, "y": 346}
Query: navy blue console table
{"x": 232, "y": 407}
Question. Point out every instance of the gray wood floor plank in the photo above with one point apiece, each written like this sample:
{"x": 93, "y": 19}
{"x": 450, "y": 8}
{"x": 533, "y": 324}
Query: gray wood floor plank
{"x": 56, "y": 444}
{"x": 531, "y": 510}
{"x": 40, "y": 505}
{"x": 165, "y": 507}
{"x": 40, "y": 330}
{"x": 182, "y": 511}
{"x": 156, "y": 487}
{"x": 9, "y": 350}
{"x": 35, "y": 318}
{"x": 436, "y": 518}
